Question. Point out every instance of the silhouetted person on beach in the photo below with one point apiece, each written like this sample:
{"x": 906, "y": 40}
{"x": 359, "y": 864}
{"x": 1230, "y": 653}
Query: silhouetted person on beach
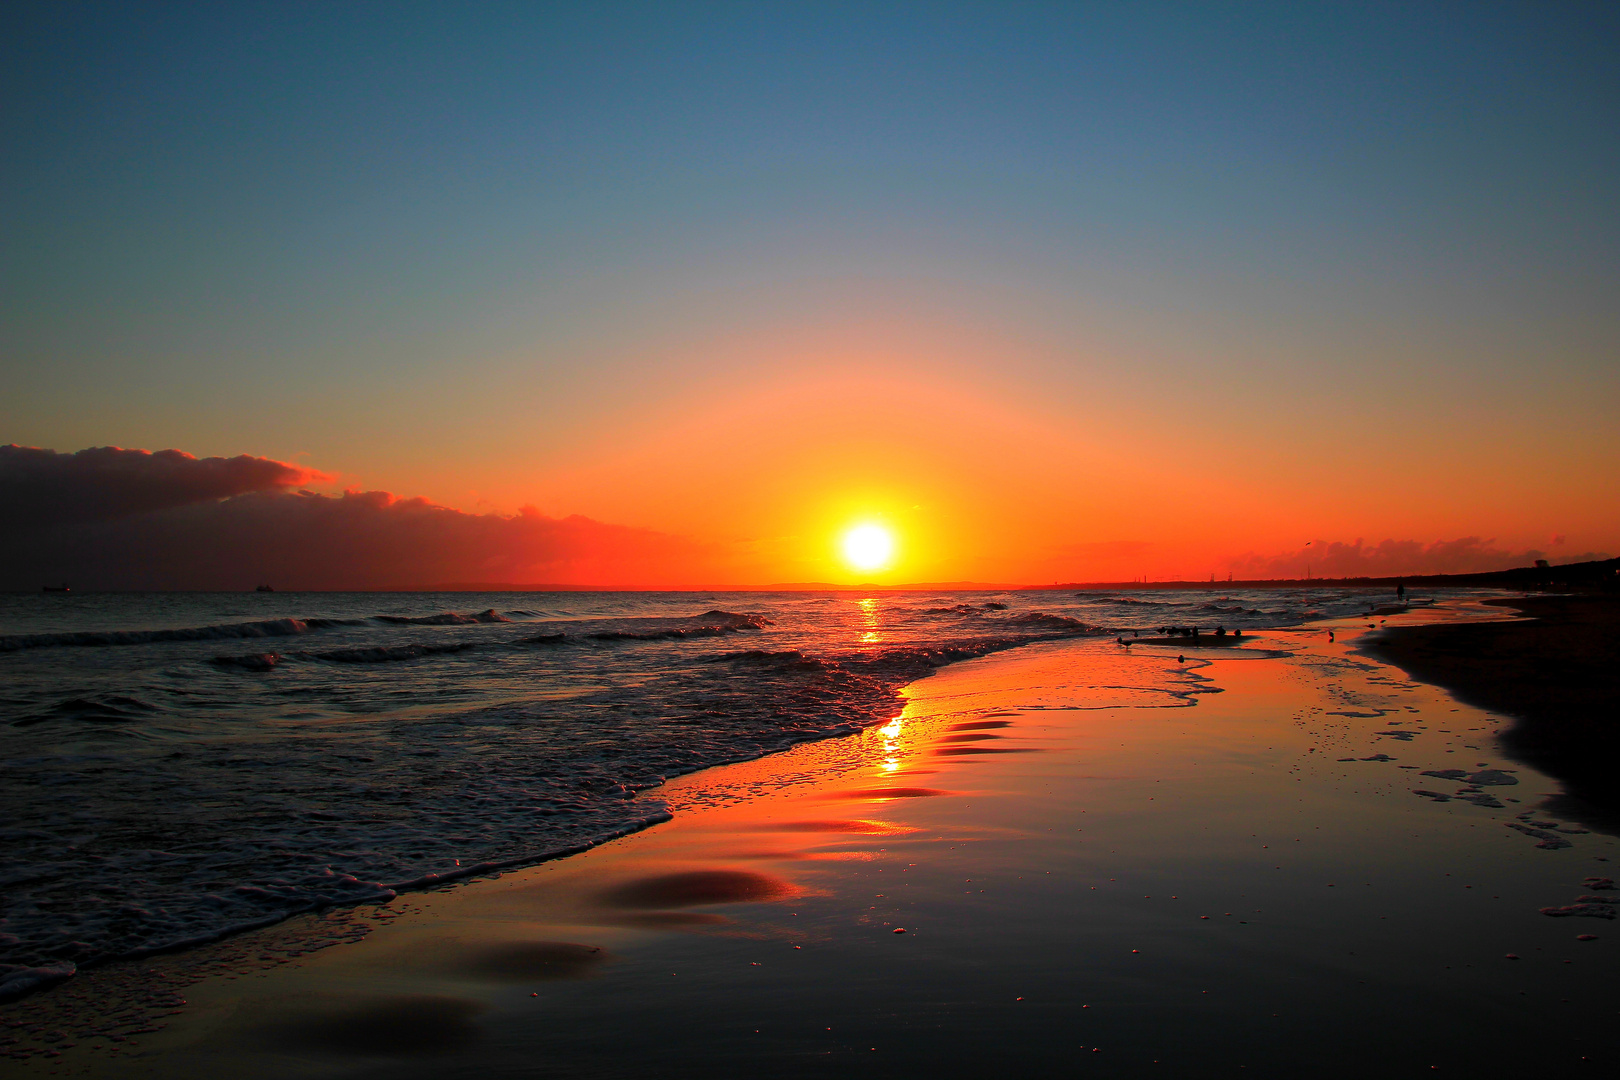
{"x": 1400, "y": 591}
{"x": 1220, "y": 631}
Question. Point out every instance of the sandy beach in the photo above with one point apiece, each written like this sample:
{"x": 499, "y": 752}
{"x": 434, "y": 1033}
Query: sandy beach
{"x": 1556, "y": 672}
{"x": 1279, "y": 859}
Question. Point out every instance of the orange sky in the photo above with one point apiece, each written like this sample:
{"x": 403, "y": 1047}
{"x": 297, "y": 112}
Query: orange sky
{"x": 998, "y": 460}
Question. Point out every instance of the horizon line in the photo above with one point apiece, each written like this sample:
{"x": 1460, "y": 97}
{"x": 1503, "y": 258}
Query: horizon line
{"x": 1598, "y": 570}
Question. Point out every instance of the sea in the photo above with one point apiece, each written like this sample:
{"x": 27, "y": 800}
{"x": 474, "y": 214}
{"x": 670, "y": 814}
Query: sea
{"x": 177, "y": 767}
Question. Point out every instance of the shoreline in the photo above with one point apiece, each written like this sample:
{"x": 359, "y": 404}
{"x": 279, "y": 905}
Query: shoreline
{"x": 23, "y": 983}
{"x": 1556, "y": 672}
{"x": 26, "y": 983}
{"x": 1064, "y": 849}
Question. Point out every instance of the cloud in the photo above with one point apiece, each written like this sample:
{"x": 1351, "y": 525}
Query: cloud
{"x": 41, "y": 488}
{"x": 153, "y": 521}
{"x": 1389, "y": 558}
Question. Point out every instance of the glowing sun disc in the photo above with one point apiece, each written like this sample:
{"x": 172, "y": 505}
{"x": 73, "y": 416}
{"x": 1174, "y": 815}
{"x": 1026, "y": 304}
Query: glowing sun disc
{"x": 868, "y": 547}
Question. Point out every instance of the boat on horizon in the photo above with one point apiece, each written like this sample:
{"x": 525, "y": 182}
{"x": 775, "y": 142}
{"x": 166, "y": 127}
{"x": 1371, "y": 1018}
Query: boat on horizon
{"x": 58, "y": 588}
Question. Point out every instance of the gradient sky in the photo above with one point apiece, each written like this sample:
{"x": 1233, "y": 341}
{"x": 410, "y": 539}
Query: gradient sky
{"x": 1058, "y": 291}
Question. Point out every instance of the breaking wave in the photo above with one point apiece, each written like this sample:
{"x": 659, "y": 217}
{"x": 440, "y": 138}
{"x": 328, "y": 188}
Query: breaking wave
{"x": 266, "y": 628}
{"x": 786, "y": 660}
{"x": 375, "y": 654}
{"x": 672, "y": 634}
{"x": 1130, "y": 601}
{"x": 1058, "y": 623}
{"x": 444, "y": 618}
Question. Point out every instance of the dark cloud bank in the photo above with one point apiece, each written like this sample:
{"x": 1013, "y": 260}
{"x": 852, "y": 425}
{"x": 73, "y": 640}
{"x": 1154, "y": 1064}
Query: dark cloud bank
{"x": 108, "y": 518}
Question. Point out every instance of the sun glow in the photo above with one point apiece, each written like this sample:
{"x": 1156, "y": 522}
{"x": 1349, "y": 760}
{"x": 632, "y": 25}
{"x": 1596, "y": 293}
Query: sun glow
{"x": 868, "y": 547}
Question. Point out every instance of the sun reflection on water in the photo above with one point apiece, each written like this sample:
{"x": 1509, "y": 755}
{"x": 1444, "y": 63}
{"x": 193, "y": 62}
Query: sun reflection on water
{"x": 869, "y": 614}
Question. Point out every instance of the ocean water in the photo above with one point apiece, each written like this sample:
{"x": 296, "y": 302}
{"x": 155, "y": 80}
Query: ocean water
{"x": 180, "y": 766}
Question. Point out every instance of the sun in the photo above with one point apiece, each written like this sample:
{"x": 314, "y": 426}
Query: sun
{"x": 868, "y": 547}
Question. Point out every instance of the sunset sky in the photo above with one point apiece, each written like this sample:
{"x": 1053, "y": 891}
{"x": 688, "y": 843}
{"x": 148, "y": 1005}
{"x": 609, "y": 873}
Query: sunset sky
{"x": 1052, "y": 292}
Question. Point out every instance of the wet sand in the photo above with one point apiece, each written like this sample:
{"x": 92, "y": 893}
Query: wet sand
{"x": 1556, "y": 673}
{"x": 1280, "y": 860}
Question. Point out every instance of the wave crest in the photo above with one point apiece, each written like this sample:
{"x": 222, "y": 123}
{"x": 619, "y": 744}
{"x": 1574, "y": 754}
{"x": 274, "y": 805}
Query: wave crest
{"x": 444, "y": 618}
{"x": 786, "y": 660}
{"x": 1042, "y": 620}
{"x": 264, "y": 628}
{"x": 731, "y": 618}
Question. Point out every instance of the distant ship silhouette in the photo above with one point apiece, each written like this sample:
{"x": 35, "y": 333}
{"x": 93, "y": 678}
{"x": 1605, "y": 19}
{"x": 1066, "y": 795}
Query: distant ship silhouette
{"x": 58, "y": 588}
{"x": 264, "y": 588}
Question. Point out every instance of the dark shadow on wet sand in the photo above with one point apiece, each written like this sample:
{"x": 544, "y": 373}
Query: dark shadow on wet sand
{"x": 1557, "y": 675}
{"x": 529, "y": 961}
{"x": 392, "y": 1026}
{"x": 698, "y": 887}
